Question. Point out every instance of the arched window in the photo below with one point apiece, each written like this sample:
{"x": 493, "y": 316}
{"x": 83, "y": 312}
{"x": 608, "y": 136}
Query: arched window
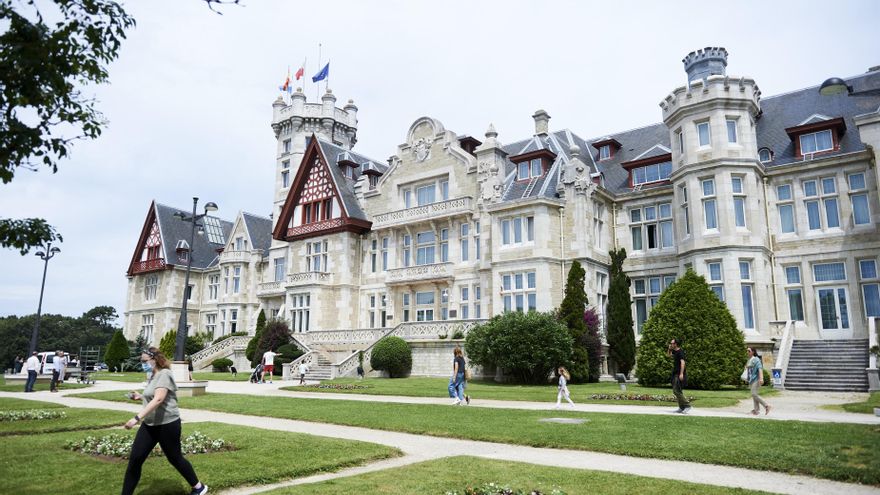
{"x": 765, "y": 155}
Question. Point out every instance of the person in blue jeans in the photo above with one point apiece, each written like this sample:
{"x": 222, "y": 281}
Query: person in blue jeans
{"x": 456, "y": 382}
{"x": 32, "y": 366}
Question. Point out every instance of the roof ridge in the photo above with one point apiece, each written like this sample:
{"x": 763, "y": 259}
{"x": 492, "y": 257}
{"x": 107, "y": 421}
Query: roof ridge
{"x": 864, "y": 74}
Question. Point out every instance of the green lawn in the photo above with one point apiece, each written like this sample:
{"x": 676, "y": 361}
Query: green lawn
{"x": 137, "y": 377}
{"x": 77, "y": 419}
{"x": 866, "y": 407}
{"x": 488, "y": 389}
{"x": 19, "y": 387}
{"x": 457, "y": 473}
{"x": 36, "y": 465}
{"x": 843, "y": 452}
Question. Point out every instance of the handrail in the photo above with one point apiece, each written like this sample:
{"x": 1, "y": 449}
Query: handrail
{"x": 872, "y": 342}
{"x": 785, "y": 349}
{"x": 305, "y": 358}
{"x": 219, "y": 346}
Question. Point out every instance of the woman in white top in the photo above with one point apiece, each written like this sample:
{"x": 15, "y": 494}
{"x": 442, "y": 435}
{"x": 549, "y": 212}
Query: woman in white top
{"x": 564, "y": 377}
{"x": 755, "y": 368}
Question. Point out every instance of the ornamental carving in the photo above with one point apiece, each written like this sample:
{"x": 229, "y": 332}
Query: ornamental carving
{"x": 318, "y": 186}
{"x": 490, "y": 190}
{"x": 422, "y": 149}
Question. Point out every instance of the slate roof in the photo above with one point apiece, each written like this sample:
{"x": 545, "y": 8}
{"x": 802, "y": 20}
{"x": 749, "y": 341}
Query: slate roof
{"x": 260, "y": 230}
{"x": 560, "y": 143}
{"x": 333, "y": 154}
{"x": 174, "y": 230}
{"x": 634, "y": 144}
{"x": 795, "y": 108}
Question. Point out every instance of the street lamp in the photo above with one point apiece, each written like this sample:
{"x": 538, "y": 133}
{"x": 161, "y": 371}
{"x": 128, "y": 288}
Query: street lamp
{"x": 45, "y": 256}
{"x": 835, "y": 86}
{"x": 194, "y": 219}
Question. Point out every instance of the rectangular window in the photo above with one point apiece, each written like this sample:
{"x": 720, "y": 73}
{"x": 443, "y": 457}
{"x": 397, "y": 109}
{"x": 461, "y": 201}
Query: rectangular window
{"x": 793, "y": 275}
{"x": 709, "y": 212}
{"x": 867, "y": 269}
{"x": 386, "y": 241}
{"x": 465, "y": 231}
{"x": 425, "y": 194}
{"x": 748, "y": 309}
{"x": 514, "y": 230}
{"x": 536, "y": 167}
{"x": 286, "y": 146}
{"x": 813, "y": 216}
{"x": 285, "y": 179}
{"x": 233, "y": 320}
{"x": 739, "y": 201}
{"x": 444, "y": 189}
{"x": 832, "y": 219}
{"x": 444, "y": 245}
{"x": 783, "y": 192}
{"x": 147, "y": 327}
{"x": 211, "y": 323}
{"x": 786, "y": 218}
{"x": 731, "y": 134}
{"x": 213, "y": 287}
{"x": 605, "y": 152}
{"x": 476, "y": 240}
{"x": 280, "y": 269}
{"x": 477, "y": 306}
{"x": 151, "y": 287}
{"x": 651, "y": 173}
{"x": 522, "y": 171}
{"x": 407, "y": 242}
{"x": 407, "y": 198}
{"x": 316, "y": 256}
{"x": 374, "y": 255}
{"x": 684, "y": 206}
{"x": 522, "y": 294}
{"x": 679, "y": 138}
{"x": 425, "y": 248}
{"x": 636, "y": 233}
{"x": 870, "y": 291}
{"x": 703, "y": 133}
{"x": 795, "y": 304}
{"x": 861, "y": 213}
{"x": 299, "y": 312}
{"x": 816, "y": 142}
{"x": 827, "y": 272}
{"x": 236, "y": 279}
{"x": 405, "y": 304}
{"x": 646, "y": 295}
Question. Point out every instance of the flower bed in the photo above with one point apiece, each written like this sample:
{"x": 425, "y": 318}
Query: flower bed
{"x": 640, "y": 397}
{"x": 336, "y": 386}
{"x": 119, "y": 445}
{"x": 31, "y": 414}
{"x": 498, "y": 489}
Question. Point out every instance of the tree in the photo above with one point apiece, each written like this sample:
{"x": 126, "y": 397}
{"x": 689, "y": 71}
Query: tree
{"x": 136, "y": 348}
{"x": 276, "y": 334}
{"x": 621, "y": 339}
{"x": 168, "y": 343}
{"x": 252, "y": 345}
{"x": 43, "y": 67}
{"x": 526, "y": 346}
{"x": 392, "y": 354}
{"x": 593, "y": 343}
{"x": 117, "y": 351}
{"x": 571, "y": 313}
{"x": 689, "y": 311}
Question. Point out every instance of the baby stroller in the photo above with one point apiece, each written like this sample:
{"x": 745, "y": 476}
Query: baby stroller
{"x": 255, "y": 376}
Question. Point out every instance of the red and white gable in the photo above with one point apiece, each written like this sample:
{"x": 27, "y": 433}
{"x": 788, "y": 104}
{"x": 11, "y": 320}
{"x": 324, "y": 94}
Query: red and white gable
{"x": 149, "y": 255}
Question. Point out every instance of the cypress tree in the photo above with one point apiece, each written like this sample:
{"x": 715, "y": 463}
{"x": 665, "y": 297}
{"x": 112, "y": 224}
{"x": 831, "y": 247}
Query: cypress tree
{"x": 168, "y": 344}
{"x": 117, "y": 350}
{"x": 621, "y": 338}
{"x": 252, "y": 345}
{"x": 571, "y": 312}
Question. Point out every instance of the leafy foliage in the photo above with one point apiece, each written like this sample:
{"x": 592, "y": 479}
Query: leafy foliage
{"x": 221, "y": 364}
{"x": 117, "y": 351}
{"x": 276, "y": 334}
{"x": 258, "y": 334}
{"x": 714, "y": 346}
{"x": 168, "y": 344}
{"x": 593, "y": 343}
{"x": 43, "y": 67}
{"x": 287, "y": 353}
{"x": 228, "y": 335}
{"x": 621, "y": 339}
{"x": 135, "y": 349}
{"x": 392, "y": 354}
{"x": 571, "y": 313}
{"x": 527, "y": 346}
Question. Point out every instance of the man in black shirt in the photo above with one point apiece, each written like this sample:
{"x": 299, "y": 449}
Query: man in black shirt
{"x": 679, "y": 377}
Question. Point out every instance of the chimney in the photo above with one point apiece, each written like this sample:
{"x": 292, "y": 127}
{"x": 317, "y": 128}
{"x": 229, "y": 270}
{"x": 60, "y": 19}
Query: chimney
{"x": 710, "y": 61}
{"x": 542, "y": 123}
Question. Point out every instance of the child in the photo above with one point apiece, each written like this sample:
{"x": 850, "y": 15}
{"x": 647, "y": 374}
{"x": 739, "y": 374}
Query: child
{"x": 563, "y": 388}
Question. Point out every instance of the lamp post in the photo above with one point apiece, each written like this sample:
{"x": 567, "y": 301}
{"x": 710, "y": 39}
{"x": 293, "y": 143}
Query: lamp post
{"x": 49, "y": 253}
{"x": 181, "y": 327}
{"x": 835, "y": 86}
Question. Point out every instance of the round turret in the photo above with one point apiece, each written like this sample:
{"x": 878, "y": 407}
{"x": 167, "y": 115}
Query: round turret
{"x": 709, "y": 61}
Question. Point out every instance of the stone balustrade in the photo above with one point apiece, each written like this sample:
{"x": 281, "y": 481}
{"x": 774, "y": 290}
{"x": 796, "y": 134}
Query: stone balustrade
{"x": 344, "y": 337}
{"x": 432, "y": 211}
{"x": 270, "y": 288}
{"x": 409, "y": 274}
{"x": 217, "y": 350}
{"x": 233, "y": 256}
{"x": 305, "y": 278}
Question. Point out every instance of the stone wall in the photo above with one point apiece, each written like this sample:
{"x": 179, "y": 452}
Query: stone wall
{"x": 433, "y": 357}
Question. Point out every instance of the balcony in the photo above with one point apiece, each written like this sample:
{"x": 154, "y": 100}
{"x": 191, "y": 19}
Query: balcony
{"x": 301, "y": 231}
{"x": 420, "y": 273}
{"x": 270, "y": 288}
{"x": 307, "y": 278}
{"x": 145, "y": 266}
{"x": 433, "y": 211}
{"x": 233, "y": 256}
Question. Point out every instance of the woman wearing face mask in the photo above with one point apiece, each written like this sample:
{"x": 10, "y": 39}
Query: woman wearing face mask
{"x": 161, "y": 419}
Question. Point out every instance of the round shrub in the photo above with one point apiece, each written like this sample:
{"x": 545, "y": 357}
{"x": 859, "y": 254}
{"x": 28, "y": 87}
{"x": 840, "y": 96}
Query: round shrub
{"x": 287, "y": 353}
{"x": 713, "y": 345}
{"x": 526, "y": 346}
{"x": 221, "y": 364}
{"x": 392, "y": 354}
{"x": 767, "y": 381}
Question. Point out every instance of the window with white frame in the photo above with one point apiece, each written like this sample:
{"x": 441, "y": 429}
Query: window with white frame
{"x": 386, "y": 242}
{"x": 601, "y": 297}
{"x": 832, "y": 300}
{"x": 226, "y": 280}
{"x": 604, "y": 152}
{"x": 407, "y": 250}
{"x": 405, "y": 304}
{"x": 425, "y": 193}
{"x": 820, "y": 196}
{"x": 477, "y": 240}
{"x": 233, "y": 320}
{"x": 285, "y": 179}
{"x": 464, "y": 298}
{"x": 299, "y": 311}
{"x": 280, "y": 268}
{"x": 425, "y": 247}
{"x": 785, "y": 206}
{"x": 425, "y": 306}
{"x": 316, "y": 256}
{"x": 529, "y": 169}
{"x": 374, "y": 255}
{"x": 147, "y": 327}
{"x": 285, "y": 146}
{"x": 716, "y": 279}
{"x": 747, "y": 287}
{"x": 683, "y": 198}
{"x": 519, "y": 291}
{"x": 815, "y": 142}
{"x": 829, "y": 272}
{"x": 517, "y": 230}
{"x": 858, "y": 196}
{"x": 598, "y": 224}
{"x": 383, "y": 309}
{"x": 654, "y": 172}
{"x": 478, "y": 313}
{"x": 870, "y": 287}
{"x": 222, "y": 322}
{"x": 444, "y": 245}
{"x": 211, "y": 323}
{"x": 151, "y": 287}
{"x": 646, "y": 294}
{"x": 465, "y": 231}
{"x": 213, "y": 286}
{"x": 731, "y": 131}
{"x": 679, "y": 138}
{"x": 765, "y": 155}
{"x": 240, "y": 244}
{"x": 651, "y": 227}
{"x": 794, "y": 291}
{"x": 709, "y": 211}
{"x": 739, "y": 201}
{"x": 444, "y": 303}
{"x": 703, "y": 134}
{"x": 236, "y": 279}
{"x": 372, "y": 310}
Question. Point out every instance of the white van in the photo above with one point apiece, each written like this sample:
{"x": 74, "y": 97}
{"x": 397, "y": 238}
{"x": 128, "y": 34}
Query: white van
{"x": 46, "y": 360}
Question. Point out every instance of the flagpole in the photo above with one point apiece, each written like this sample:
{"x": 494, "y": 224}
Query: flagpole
{"x": 318, "y": 86}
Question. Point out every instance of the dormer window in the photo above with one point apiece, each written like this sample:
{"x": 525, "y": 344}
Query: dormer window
{"x": 765, "y": 155}
{"x": 607, "y": 148}
{"x": 649, "y": 170}
{"x": 815, "y": 142}
{"x": 817, "y": 136}
{"x": 605, "y": 152}
{"x": 529, "y": 169}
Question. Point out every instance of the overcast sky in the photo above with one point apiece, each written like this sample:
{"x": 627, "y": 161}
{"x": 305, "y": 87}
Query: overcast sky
{"x": 189, "y": 99}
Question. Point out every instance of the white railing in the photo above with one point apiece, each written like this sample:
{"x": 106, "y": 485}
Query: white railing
{"x": 354, "y": 336}
{"x": 425, "y": 212}
{"x": 298, "y": 341}
{"x": 270, "y": 288}
{"x": 222, "y": 347}
{"x": 308, "y": 358}
{"x": 785, "y": 349}
{"x": 872, "y": 342}
{"x": 303, "y": 278}
{"x": 420, "y": 272}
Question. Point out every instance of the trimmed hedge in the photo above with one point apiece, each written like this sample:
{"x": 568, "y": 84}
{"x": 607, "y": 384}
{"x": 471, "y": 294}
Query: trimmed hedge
{"x": 221, "y": 364}
{"x": 392, "y": 354}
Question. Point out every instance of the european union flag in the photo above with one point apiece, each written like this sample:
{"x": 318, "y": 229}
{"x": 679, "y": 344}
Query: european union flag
{"x": 320, "y": 76}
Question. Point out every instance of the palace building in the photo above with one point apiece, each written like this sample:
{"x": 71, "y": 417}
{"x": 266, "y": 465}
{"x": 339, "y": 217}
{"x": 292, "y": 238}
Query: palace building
{"x": 773, "y": 199}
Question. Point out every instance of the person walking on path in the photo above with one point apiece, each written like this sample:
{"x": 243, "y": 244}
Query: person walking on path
{"x": 679, "y": 376}
{"x": 189, "y": 368}
{"x": 456, "y": 382}
{"x": 268, "y": 365}
{"x": 755, "y": 368}
{"x": 161, "y": 424}
{"x": 57, "y": 371}
{"x": 303, "y": 369}
{"x": 65, "y": 360}
{"x": 32, "y": 366}
{"x": 564, "y": 377}
{"x": 19, "y": 363}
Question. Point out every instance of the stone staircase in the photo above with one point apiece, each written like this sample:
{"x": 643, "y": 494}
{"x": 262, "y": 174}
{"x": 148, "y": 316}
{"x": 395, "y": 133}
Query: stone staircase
{"x": 828, "y": 365}
{"x": 318, "y": 372}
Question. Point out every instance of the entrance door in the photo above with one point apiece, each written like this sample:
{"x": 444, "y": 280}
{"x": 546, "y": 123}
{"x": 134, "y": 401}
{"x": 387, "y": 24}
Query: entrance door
{"x": 833, "y": 311}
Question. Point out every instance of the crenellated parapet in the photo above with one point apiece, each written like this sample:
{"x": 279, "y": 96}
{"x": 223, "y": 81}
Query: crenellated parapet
{"x": 699, "y": 95}
{"x": 324, "y": 118}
